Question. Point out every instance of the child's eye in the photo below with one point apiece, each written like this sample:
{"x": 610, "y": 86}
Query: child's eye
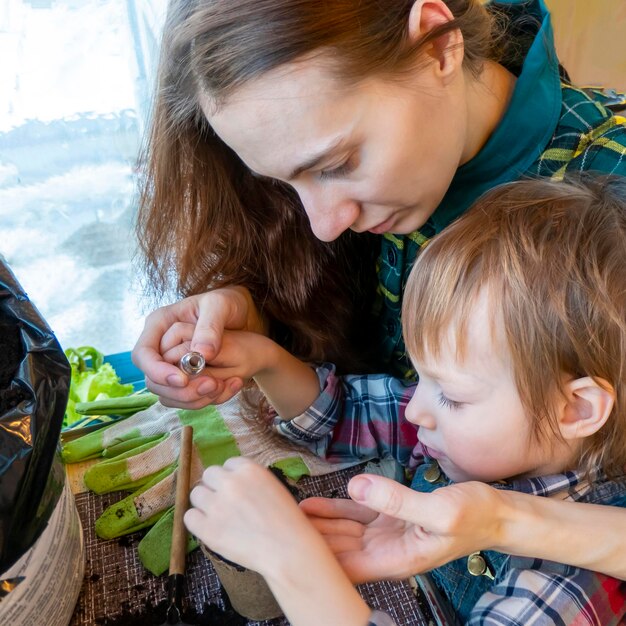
{"x": 337, "y": 172}
{"x": 449, "y": 404}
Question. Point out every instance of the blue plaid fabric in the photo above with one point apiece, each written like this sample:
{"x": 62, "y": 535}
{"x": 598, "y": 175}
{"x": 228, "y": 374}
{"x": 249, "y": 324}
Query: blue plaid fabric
{"x": 362, "y": 417}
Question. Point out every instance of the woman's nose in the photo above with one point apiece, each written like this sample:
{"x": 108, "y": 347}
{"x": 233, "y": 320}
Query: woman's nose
{"x": 329, "y": 214}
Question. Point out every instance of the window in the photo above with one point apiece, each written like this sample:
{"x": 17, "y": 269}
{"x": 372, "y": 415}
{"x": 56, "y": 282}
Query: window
{"x": 74, "y": 94}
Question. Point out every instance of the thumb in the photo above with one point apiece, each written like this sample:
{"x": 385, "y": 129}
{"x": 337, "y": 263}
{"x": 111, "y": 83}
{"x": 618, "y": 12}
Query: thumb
{"x": 209, "y": 330}
{"x": 387, "y": 496}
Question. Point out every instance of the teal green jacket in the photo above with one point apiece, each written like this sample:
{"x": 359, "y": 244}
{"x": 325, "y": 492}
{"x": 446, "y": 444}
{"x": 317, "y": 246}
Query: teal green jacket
{"x": 549, "y": 128}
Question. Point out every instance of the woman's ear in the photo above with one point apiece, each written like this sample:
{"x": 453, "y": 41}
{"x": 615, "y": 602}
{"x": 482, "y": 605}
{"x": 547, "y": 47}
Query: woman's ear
{"x": 589, "y": 404}
{"x": 447, "y": 49}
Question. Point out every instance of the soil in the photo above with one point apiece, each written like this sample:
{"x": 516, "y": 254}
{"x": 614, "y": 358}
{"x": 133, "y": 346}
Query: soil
{"x": 11, "y": 354}
{"x": 293, "y": 490}
{"x": 155, "y": 615}
{"x": 150, "y": 614}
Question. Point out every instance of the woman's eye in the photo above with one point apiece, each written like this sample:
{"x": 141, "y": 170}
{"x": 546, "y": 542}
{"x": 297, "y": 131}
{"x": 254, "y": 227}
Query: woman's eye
{"x": 449, "y": 404}
{"x": 336, "y": 172}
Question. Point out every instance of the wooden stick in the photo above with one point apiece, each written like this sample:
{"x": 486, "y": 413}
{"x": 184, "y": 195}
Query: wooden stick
{"x": 179, "y": 532}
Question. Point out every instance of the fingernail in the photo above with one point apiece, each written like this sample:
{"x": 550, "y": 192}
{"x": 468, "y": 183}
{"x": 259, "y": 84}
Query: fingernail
{"x": 206, "y": 388}
{"x": 203, "y": 348}
{"x": 234, "y": 387}
{"x": 359, "y": 488}
{"x": 175, "y": 381}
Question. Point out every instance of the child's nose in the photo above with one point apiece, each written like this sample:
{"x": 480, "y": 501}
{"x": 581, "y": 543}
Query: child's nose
{"x": 418, "y": 412}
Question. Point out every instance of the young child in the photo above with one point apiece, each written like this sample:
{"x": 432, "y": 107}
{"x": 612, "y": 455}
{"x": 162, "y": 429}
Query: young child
{"x": 515, "y": 320}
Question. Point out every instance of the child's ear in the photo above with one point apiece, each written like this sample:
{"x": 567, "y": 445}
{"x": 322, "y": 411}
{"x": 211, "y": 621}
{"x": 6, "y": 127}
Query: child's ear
{"x": 589, "y": 404}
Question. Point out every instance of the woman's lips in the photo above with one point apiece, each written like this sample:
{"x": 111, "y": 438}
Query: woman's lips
{"x": 383, "y": 227}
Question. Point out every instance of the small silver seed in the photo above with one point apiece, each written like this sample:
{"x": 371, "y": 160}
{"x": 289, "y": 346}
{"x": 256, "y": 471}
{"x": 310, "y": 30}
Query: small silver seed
{"x": 192, "y": 363}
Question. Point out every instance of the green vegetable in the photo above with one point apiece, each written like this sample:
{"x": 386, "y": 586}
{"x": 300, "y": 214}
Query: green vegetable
{"x": 92, "y": 379}
{"x": 127, "y": 405}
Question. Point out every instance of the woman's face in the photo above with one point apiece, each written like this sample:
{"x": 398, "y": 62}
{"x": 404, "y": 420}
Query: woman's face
{"x": 378, "y": 156}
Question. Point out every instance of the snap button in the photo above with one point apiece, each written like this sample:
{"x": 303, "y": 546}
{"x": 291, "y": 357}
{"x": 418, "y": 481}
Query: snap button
{"x": 391, "y": 328}
{"x": 391, "y": 256}
{"x": 432, "y": 474}
{"x": 477, "y": 565}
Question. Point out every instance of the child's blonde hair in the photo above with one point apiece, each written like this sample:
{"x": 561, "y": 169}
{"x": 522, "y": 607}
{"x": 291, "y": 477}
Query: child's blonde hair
{"x": 553, "y": 257}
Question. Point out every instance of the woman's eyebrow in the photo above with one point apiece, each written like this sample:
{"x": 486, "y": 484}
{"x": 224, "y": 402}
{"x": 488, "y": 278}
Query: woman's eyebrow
{"x": 316, "y": 159}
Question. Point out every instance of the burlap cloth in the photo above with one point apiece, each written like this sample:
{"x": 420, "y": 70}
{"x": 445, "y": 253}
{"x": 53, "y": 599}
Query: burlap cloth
{"x": 116, "y": 584}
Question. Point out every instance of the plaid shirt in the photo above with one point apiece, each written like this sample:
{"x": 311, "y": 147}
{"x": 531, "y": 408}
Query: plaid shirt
{"x": 550, "y": 129}
{"x": 362, "y": 417}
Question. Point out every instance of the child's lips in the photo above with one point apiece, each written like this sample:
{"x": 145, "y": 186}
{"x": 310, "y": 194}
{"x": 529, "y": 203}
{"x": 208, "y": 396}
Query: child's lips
{"x": 433, "y": 453}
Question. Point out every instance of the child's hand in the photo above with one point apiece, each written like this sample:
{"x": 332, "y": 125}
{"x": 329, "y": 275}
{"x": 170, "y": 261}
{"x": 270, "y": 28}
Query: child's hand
{"x": 242, "y": 355}
{"x": 289, "y": 384}
{"x": 389, "y": 531}
{"x": 242, "y": 512}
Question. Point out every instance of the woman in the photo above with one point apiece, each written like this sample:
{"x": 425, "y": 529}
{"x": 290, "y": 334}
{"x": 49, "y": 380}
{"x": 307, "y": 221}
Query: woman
{"x": 302, "y": 152}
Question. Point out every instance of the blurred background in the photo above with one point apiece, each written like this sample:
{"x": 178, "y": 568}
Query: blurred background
{"x": 591, "y": 40}
{"x": 74, "y": 96}
{"x": 75, "y": 88}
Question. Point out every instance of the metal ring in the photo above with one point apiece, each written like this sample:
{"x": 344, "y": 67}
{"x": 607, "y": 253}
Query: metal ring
{"x": 192, "y": 363}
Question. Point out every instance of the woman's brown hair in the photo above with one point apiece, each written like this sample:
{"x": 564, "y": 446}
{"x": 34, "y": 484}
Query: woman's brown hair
{"x": 204, "y": 221}
{"x": 552, "y": 256}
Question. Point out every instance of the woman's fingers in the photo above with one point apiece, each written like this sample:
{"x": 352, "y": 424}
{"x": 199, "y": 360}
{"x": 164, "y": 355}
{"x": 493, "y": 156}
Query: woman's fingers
{"x": 147, "y": 354}
{"x": 197, "y": 394}
{"x": 389, "y": 497}
{"x": 228, "y": 389}
{"x": 196, "y": 323}
{"x": 208, "y": 331}
{"x": 465, "y": 516}
{"x": 227, "y": 308}
{"x": 360, "y": 568}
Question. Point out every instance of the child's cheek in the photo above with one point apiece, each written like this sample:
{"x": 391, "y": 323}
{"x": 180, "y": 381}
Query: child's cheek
{"x": 474, "y": 464}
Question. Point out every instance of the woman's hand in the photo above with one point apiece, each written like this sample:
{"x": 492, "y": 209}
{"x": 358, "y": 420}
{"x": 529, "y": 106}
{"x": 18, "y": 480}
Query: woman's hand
{"x": 195, "y": 323}
{"x": 389, "y": 531}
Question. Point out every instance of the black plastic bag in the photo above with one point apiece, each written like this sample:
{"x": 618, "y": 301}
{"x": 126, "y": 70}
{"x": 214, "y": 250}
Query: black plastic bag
{"x": 34, "y": 387}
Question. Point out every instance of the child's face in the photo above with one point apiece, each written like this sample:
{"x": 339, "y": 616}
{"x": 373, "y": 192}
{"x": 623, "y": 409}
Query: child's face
{"x": 375, "y": 157}
{"x": 470, "y": 415}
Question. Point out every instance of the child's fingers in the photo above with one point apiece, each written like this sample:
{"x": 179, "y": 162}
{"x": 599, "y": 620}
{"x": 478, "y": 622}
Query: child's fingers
{"x": 227, "y": 389}
{"x": 175, "y": 354}
{"x": 341, "y": 544}
{"x": 224, "y": 372}
{"x": 338, "y": 526}
{"x": 336, "y": 508}
{"x": 201, "y": 496}
{"x": 177, "y": 334}
{"x": 195, "y": 521}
